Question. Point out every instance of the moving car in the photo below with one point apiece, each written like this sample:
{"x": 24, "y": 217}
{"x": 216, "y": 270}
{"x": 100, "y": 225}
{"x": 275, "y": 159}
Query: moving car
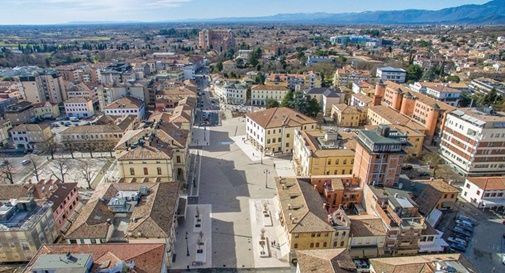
{"x": 26, "y": 162}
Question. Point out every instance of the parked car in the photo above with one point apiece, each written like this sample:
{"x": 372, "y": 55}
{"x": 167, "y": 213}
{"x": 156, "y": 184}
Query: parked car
{"x": 457, "y": 247}
{"x": 457, "y": 240}
{"x": 466, "y": 218}
{"x": 26, "y": 162}
{"x": 467, "y": 228}
{"x": 461, "y": 231}
{"x": 465, "y": 224}
{"x": 407, "y": 167}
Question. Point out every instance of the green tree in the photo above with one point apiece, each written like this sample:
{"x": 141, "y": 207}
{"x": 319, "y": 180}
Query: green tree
{"x": 219, "y": 66}
{"x": 271, "y": 103}
{"x": 453, "y": 78}
{"x": 287, "y": 101}
{"x": 414, "y": 73}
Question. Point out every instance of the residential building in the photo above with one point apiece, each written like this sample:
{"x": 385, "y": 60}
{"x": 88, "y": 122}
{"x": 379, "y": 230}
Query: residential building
{"x": 338, "y": 191}
{"x": 118, "y": 257}
{"x": 368, "y": 236}
{"x": 348, "y": 116}
{"x": 25, "y": 225}
{"x": 415, "y": 137}
{"x": 117, "y": 73}
{"x": 46, "y": 110}
{"x": 5, "y": 126}
{"x": 347, "y": 75}
{"x": 379, "y": 156}
{"x": 272, "y": 130}
{"x": 438, "y": 91}
{"x": 437, "y": 194}
{"x": 216, "y": 39}
{"x": 400, "y": 215}
{"x": 364, "y": 88}
{"x": 260, "y": 94}
{"x": 81, "y": 90}
{"x": 126, "y": 106}
{"x": 473, "y": 141}
{"x": 485, "y": 85}
{"x": 318, "y": 94}
{"x": 296, "y": 82}
{"x": 107, "y": 95}
{"x": 231, "y": 93}
{"x": 360, "y": 100}
{"x": 389, "y": 73}
{"x": 420, "y": 108}
{"x": 125, "y": 213}
{"x": 92, "y": 138}
{"x": 361, "y": 40}
{"x": 41, "y": 86}
{"x": 31, "y": 136}
{"x": 79, "y": 108}
{"x": 315, "y": 59}
{"x": 306, "y": 222}
{"x": 330, "y": 98}
{"x": 21, "y": 112}
{"x": 335, "y": 260}
{"x": 422, "y": 263}
{"x": 64, "y": 198}
{"x": 318, "y": 152}
{"x": 485, "y": 192}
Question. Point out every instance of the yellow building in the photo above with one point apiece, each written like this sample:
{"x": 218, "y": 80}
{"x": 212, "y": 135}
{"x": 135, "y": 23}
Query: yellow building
{"x": 321, "y": 153}
{"x": 348, "y": 116}
{"x": 307, "y": 224}
{"x": 261, "y": 93}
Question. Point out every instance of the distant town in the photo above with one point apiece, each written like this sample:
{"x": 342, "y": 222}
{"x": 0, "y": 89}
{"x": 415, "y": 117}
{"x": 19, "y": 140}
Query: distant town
{"x": 252, "y": 148}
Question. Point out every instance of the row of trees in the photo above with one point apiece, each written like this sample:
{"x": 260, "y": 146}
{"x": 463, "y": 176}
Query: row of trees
{"x": 59, "y": 169}
{"x": 298, "y": 101}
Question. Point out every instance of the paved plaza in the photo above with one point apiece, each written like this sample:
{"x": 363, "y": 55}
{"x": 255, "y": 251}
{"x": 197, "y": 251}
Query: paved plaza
{"x": 269, "y": 246}
{"x": 199, "y": 242}
{"x": 229, "y": 178}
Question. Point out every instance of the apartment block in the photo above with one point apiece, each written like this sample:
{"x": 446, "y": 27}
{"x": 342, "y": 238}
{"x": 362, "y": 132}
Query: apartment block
{"x": 379, "y": 156}
{"x": 348, "y": 75}
{"x": 438, "y": 91}
{"x": 231, "y": 93}
{"x": 389, "y": 73}
{"x": 485, "y": 192}
{"x": 272, "y": 130}
{"x": 79, "y": 108}
{"x": 25, "y": 225}
{"x": 31, "y": 136}
{"x": 473, "y": 141}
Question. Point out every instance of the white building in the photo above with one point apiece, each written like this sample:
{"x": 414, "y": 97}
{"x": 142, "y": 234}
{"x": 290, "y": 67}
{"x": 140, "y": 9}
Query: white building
{"x": 79, "y": 107}
{"x": 473, "y": 141}
{"x": 126, "y": 106}
{"x": 485, "y": 192}
{"x": 231, "y": 93}
{"x": 389, "y": 73}
{"x": 438, "y": 91}
{"x": 261, "y": 93}
{"x": 29, "y": 136}
{"x": 314, "y": 59}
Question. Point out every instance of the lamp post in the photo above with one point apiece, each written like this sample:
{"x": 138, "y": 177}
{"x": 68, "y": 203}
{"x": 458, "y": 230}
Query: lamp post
{"x": 266, "y": 172}
{"x": 187, "y": 244}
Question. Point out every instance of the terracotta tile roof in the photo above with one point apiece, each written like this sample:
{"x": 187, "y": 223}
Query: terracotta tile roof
{"x": 125, "y": 102}
{"x": 30, "y": 127}
{"x": 418, "y": 264}
{"x": 152, "y": 217}
{"x": 92, "y": 129}
{"x": 145, "y": 152}
{"x": 337, "y": 260}
{"x": 148, "y": 257}
{"x": 299, "y": 199}
{"x": 270, "y": 87}
{"x": 16, "y": 191}
{"x": 278, "y": 117}
{"x": 488, "y": 183}
{"x": 367, "y": 227}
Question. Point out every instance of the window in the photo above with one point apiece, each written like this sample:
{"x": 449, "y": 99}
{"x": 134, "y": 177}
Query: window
{"x": 146, "y": 172}
{"x": 287, "y": 135}
{"x": 313, "y": 235}
{"x": 325, "y": 244}
{"x": 467, "y": 185}
{"x": 342, "y": 244}
{"x": 159, "y": 170}
{"x": 132, "y": 171}
{"x": 311, "y": 245}
{"x": 478, "y": 192}
{"x": 295, "y": 246}
{"x": 178, "y": 159}
{"x": 317, "y": 244}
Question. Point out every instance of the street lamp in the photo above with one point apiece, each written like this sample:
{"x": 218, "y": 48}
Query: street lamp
{"x": 187, "y": 244}
{"x": 266, "y": 172}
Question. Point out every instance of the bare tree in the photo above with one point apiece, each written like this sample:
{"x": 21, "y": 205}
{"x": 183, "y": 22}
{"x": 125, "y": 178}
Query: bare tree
{"x": 51, "y": 147}
{"x": 434, "y": 160}
{"x": 59, "y": 169}
{"x": 86, "y": 172}
{"x": 7, "y": 171}
{"x": 35, "y": 167}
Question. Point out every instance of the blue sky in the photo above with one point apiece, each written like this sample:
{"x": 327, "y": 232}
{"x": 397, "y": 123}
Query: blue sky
{"x": 61, "y": 11}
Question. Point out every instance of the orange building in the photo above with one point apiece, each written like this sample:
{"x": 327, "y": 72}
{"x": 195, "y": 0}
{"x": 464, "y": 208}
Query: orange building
{"x": 338, "y": 191}
{"x": 379, "y": 155}
{"x": 427, "y": 111}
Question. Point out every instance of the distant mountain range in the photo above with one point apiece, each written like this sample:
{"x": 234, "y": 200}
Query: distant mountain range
{"x": 492, "y": 12}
